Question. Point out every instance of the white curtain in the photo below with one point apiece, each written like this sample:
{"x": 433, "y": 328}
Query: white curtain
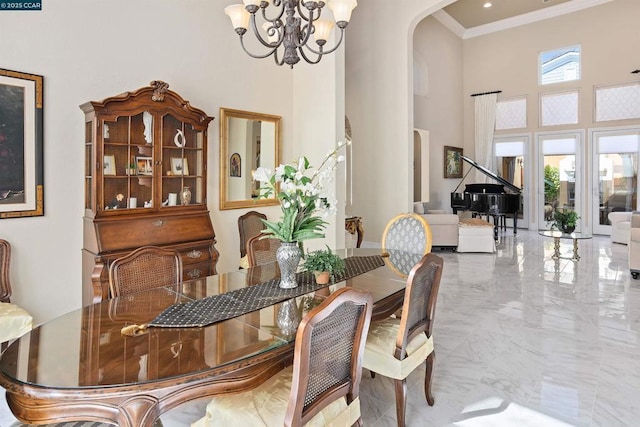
{"x": 485, "y": 122}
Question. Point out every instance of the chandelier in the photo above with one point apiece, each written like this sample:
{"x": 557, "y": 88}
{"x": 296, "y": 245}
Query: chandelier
{"x": 292, "y": 32}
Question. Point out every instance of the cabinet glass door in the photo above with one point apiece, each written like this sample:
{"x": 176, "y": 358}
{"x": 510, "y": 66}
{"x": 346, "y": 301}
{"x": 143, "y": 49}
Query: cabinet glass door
{"x": 128, "y": 162}
{"x": 182, "y": 163}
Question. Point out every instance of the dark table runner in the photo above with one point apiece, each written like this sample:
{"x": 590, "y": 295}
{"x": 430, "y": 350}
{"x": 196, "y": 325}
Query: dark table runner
{"x": 232, "y": 304}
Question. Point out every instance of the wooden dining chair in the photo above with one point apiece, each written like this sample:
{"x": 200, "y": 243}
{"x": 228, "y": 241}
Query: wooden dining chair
{"x": 323, "y": 385}
{"x": 14, "y": 320}
{"x": 396, "y": 346}
{"x": 262, "y": 250}
{"x": 249, "y": 225}
{"x": 145, "y": 268}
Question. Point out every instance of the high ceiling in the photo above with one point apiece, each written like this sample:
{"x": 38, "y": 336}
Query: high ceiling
{"x": 471, "y": 13}
{"x": 468, "y": 18}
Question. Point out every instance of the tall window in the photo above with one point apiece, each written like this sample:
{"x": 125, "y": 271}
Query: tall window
{"x": 559, "y": 65}
{"x": 510, "y": 163}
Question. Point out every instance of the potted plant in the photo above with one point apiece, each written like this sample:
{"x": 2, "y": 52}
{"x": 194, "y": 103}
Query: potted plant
{"x": 565, "y": 220}
{"x": 324, "y": 264}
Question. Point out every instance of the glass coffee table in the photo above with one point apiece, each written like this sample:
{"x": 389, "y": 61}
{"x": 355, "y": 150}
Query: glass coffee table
{"x": 558, "y": 235}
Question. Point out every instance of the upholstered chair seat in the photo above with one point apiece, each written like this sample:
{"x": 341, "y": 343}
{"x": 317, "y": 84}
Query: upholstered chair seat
{"x": 381, "y": 345}
{"x": 266, "y": 406}
{"x": 14, "y": 321}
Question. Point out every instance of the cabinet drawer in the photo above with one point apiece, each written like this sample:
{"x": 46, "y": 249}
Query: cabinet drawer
{"x": 195, "y": 255}
{"x": 127, "y": 233}
{"x": 195, "y": 271}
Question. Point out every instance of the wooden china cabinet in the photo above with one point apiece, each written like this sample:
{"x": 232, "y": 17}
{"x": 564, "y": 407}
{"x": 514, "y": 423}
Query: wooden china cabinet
{"x": 145, "y": 151}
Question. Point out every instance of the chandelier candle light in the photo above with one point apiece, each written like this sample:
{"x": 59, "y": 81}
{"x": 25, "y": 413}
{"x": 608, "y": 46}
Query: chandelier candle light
{"x": 301, "y": 198}
{"x": 292, "y": 32}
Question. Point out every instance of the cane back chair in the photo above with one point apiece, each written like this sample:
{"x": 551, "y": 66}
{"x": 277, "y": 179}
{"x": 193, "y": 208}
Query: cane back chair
{"x": 262, "y": 250}
{"x": 145, "y": 268}
{"x": 322, "y": 387}
{"x": 397, "y": 346}
{"x": 249, "y": 225}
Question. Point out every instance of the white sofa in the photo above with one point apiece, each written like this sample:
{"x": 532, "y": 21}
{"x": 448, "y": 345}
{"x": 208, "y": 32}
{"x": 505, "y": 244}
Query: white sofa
{"x": 444, "y": 226}
{"x": 634, "y": 245}
{"x": 620, "y": 227}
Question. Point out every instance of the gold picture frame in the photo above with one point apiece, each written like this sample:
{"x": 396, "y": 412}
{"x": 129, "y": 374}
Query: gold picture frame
{"x": 21, "y": 144}
{"x": 452, "y": 162}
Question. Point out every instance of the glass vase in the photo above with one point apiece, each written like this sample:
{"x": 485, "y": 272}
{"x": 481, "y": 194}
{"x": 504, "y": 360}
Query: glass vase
{"x": 288, "y": 257}
{"x": 185, "y": 196}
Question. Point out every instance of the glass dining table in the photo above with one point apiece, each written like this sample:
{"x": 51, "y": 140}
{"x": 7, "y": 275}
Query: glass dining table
{"x": 82, "y": 367}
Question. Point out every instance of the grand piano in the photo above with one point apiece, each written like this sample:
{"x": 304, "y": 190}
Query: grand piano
{"x": 488, "y": 199}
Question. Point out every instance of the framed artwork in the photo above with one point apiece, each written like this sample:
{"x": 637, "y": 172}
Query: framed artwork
{"x": 452, "y": 162}
{"x": 234, "y": 165}
{"x": 109, "y": 165}
{"x": 144, "y": 165}
{"x": 21, "y": 145}
{"x": 179, "y": 166}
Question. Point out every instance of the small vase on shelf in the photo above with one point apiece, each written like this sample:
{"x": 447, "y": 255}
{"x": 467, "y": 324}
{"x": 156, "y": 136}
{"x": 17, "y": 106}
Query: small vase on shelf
{"x": 185, "y": 196}
{"x": 288, "y": 257}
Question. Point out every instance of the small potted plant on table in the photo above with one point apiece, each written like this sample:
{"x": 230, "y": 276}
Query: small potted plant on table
{"x": 324, "y": 264}
{"x": 565, "y": 220}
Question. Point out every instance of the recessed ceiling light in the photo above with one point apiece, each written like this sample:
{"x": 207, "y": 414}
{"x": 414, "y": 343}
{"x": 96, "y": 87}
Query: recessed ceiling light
{"x": 487, "y": 5}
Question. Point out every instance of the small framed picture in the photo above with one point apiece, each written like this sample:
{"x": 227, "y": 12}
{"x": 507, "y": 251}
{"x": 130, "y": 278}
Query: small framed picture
{"x": 109, "y": 165}
{"x": 179, "y": 166}
{"x": 452, "y": 162}
{"x": 144, "y": 165}
{"x": 235, "y": 165}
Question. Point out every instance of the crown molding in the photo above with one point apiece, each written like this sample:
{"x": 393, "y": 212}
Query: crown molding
{"x": 445, "y": 19}
{"x": 516, "y": 21}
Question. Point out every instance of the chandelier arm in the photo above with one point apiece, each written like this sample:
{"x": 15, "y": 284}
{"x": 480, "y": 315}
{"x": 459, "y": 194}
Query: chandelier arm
{"x": 259, "y": 37}
{"x": 322, "y": 51}
{"x": 306, "y": 58}
{"x": 277, "y": 18}
{"x": 279, "y": 62}
{"x": 308, "y": 18}
{"x": 266, "y": 55}
{"x": 306, "y": 35}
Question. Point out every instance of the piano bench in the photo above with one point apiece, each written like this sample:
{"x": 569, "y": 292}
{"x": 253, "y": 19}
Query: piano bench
{"x": 475, "y": 235}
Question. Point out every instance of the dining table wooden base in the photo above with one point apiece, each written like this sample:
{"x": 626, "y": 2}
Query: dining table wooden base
{"x": 141, "y": 404}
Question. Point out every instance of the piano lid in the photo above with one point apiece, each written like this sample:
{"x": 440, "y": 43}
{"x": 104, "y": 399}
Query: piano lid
{"x": 491, "y": 174}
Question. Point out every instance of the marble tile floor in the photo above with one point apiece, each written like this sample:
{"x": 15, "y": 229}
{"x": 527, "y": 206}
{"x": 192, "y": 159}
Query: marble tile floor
{"x": 521, "y": 340}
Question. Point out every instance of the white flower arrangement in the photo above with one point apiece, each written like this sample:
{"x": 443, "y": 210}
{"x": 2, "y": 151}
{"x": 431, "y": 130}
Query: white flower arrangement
{"x": 300, "y": 196}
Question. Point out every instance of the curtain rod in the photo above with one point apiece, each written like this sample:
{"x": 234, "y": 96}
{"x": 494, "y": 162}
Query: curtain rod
{"x": 635, "y": 72}
{"x": 486, "y": 93}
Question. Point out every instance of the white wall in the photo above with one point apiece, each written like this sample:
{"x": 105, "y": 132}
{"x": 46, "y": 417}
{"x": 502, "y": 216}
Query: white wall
{"x": 379, "y": 104}
{"x": 610, "y": 38}
{"x": 438, "y": 106}
{"x": 92, "y": 49}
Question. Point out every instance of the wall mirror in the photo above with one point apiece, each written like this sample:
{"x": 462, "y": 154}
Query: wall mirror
{"x": 247, "y": 141}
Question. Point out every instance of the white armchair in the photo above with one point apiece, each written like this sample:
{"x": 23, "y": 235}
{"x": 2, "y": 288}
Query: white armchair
{"x": 634, "y": 245}
{"x": 620, "y": 227}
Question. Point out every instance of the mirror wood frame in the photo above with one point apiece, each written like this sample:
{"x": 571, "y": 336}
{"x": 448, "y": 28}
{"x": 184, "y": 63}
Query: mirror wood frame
{"x": 225, "y": 115}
